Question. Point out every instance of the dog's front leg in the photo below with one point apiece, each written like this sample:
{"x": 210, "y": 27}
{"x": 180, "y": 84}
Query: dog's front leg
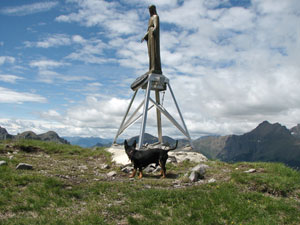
{"x": 133, "y": 173}
{"x": 140, "y": 174}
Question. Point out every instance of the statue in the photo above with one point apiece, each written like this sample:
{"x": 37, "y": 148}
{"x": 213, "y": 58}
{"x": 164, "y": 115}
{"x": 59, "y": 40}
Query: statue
{"x": 152, "y": 38}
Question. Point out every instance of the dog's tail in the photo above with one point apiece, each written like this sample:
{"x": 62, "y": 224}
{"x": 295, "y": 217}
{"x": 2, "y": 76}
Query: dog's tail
{"x": 170, "y": 149}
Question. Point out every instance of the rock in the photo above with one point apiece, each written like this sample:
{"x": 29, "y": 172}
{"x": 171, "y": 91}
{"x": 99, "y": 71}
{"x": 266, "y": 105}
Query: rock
{"x": 157, "y": 169}
{"x": 172, "y": 159}
{"x": 24, "y": 166}
{"x": 119, "y": 155}
{"x": 187, "y": 148}
{"x": 104, "y": 166}
{"x": 194, "y": 176}
{"x": 112, "y": 174}
{"x": 250, "y": 171}
{"x": 212, "y": 180}
{"x": 127, "y": 169}
{"x": 200, "y": 169}
{"x": 2, "y": 163}
{"x": 188, "y": 156}
{"x": 149, "y": 169}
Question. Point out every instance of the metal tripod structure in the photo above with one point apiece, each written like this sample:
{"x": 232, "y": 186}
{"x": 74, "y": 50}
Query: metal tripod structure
{"x": 157, "y": 83}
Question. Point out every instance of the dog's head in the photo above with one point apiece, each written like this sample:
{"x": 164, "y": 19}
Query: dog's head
{"x": 129, "y": 149}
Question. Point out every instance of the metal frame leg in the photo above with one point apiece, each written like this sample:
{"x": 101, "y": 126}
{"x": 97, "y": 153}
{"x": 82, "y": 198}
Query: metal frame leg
{"x": 158, "y": 115}
{"x": 143, "y": 126}
{"x": 181, "y": 117}
{"x": 127, "y": 111}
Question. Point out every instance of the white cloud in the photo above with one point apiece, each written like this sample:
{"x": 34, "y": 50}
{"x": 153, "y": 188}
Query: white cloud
{"x": 7, "y": 59}
{"x": 91, "y": 51}
{"x": 9, "y": 78}
{"x": 10, "y": 96}
{"x": 112, "y": 16}
{"x": 44, "y": 64}
{"x": 24, "y": 10}
{"x": 49, "y": 76}
{"x": 86, "y": 50}
{"x": 56, "y": 40}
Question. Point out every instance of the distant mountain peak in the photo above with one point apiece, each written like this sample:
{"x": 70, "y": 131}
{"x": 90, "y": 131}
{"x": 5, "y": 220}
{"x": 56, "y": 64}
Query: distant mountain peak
{"x": 266, "y": 128}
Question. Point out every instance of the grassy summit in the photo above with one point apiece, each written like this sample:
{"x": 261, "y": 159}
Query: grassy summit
{"x": 68, "y": 186}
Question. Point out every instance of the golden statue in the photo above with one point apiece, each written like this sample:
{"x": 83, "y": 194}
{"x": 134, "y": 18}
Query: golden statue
{"x": 152, "y": 38}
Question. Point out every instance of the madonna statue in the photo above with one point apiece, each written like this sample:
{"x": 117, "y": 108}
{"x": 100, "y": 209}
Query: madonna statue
{"x": 152, "y": 38}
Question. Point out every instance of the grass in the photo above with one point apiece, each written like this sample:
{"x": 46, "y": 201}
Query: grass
{"x": 68, "y": 186}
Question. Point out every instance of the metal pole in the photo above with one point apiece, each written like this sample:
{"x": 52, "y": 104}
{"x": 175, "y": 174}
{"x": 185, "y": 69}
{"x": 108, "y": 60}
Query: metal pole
{"x": 143, "y": 126}
{"x": 158, "y": 115}
{"x": 132, "y": 121}
{"x": 168, "y": 115}
{"x": 181, "y": 117}
{"x": 129, "y": 106}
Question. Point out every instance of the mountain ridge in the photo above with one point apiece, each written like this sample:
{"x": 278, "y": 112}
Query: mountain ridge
{"x": 266, "y": 143}
{"x": 48, "y": 136}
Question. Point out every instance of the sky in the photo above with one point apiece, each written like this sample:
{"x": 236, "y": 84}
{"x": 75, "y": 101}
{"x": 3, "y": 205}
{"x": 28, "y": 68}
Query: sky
{"x": 67, "y": 65}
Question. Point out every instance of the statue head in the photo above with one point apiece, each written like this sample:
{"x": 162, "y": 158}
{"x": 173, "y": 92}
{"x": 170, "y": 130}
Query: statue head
{"x": 152, "y": 10}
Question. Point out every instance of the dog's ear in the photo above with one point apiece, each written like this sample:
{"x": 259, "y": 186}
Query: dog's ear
{"x": 125, "y": 144}
{"x": 134, "y": 144}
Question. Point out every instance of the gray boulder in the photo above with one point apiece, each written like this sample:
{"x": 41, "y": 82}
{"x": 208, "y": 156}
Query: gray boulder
{"x": 194, "y": 176}
{"x": 198, "y": 172}
{"x": 200, "y": 169}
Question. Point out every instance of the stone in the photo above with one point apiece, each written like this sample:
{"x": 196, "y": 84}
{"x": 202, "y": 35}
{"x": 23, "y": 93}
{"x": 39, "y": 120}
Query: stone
{"x": 200, "y": 169}
{"x": 104, "y": 166}
{"x": 194, "y": 176}
{"x": 119, "y": 155}
{"x": 187, "y": 156}
{"x": 2, "y": 163}
{"x": 127, "y": 169}
{"x": 212, "y": 180}
{"x": 172, "y": 159}
{"x": 24, "y": 166}
{"x": 112, "y": 174}
{"x": 157, "y": 169}
{"x": 250, "y": 171}
{"x": 149, "y": 169}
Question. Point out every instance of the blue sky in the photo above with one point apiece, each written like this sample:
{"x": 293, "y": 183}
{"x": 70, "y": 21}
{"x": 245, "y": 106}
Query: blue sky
{"x": 67, "y": 65}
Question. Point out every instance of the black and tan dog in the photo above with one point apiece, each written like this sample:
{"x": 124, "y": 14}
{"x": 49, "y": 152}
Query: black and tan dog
{"x": 142, "y": 159}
